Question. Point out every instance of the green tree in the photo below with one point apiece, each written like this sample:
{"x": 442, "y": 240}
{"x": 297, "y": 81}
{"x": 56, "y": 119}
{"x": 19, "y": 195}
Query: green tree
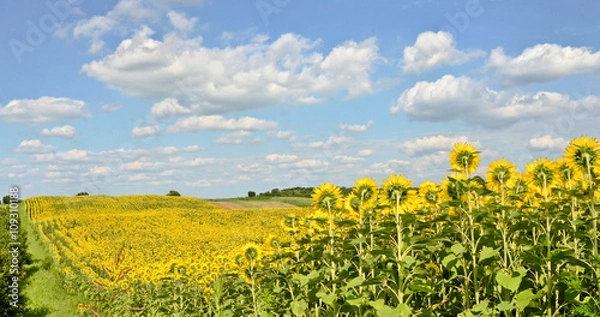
{"x": 6, "y": 200}
{"x": 173, "y": 193}
{"x": 251, "y": 194}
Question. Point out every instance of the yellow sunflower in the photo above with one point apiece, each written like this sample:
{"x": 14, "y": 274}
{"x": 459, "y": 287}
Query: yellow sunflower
{"x": 366, "y": 189}
{"x": 464, "y": 158}
{"x": 397, "y": 191}
{"x": 352, "y": 204}
{"x": 251, "y": 252}
{"x": 541, "y": 176}
{"x": 429, "y": 193}
{"x": 327, "y": 196}
{"x": 501, "y": 173}
{"x": 568, "y": 177}
{"x": 582, "y": 153}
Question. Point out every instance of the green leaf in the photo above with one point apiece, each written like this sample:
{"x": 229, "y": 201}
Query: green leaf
{"x": 481, "y": 307}
{"x": 457, "y": 249}
{"x": 355, "y": 301}
{"x": 449, "y": 261}
{"x": 505, "y": 306}
{"x": 357, "y": 281}
{"x": 378, "y": 304}
{"x": 486, "y": 253}
{"x": 508, "y": 281}
{"x": 328, "y": 299}
{"x": 523, "y": 299}
{"x": 299, "y": 307}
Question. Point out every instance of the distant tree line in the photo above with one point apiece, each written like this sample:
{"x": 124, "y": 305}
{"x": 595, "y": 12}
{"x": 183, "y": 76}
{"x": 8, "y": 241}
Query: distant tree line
{"x": 292, "y": 192}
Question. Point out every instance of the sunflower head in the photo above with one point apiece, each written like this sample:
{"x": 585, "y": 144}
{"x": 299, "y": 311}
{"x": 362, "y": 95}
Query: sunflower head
{"x": 397, "y": 190}
{"x": 352, "y": 202}
{"x": 501, "y": 173}
{"x": 251, "y": 252}
{"x": 582, "y": 153}
{"x": 568, "y": 176}
{"x": 541, "y": 175}
{"x": 326, "y": 197}
{"x": 464, "y": 158}
{"x": 429, "y": 193}
{"x": 366, "y": 189}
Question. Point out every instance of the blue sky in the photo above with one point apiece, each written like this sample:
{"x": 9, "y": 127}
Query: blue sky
{"x": 216, "y": 98}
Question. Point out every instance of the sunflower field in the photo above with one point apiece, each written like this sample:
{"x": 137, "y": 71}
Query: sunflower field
{"x": 511, "y": 243}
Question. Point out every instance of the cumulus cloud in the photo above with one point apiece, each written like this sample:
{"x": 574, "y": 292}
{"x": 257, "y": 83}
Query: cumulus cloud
{"x": 238, "y": 137}
{"x": 66, "y": 131}
{"x": 365, "y": 152}
{"x": 216, "y": 122}
{"x": 34, "y": 146}
{"x": 356, "y": 128}
{"x": 111, "y": 107}
{"x": 213, "y": 80}
{"x": 281, "y": 158}
{"x": 144, "y": 132}
{"x": 547, "y": 142}
{"x": 432, "y": 50}
{"x": 306, "y": 164}
{"x": 181, "y": 22}
{"x": 543, "y": 63}
{"x": 286, "y": 135}
{"x": 465, "y": 100}
{"x": 386, "y": 167}
{"x": 42, "y": 110}
{"x": 348, "y": 159}
{"x": 436, "y": 143}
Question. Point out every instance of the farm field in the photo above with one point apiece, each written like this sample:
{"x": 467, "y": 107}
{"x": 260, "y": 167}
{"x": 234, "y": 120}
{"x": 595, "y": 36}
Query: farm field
{"x": 509, "y": 244}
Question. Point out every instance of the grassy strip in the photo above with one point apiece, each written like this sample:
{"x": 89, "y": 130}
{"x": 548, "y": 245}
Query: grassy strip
{"x": 296, "y": 201}
{"x": 45, "y": 290}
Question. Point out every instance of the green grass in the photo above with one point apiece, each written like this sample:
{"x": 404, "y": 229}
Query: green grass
{"x": 45, "y": 290}
{"x": 296, "y": 201}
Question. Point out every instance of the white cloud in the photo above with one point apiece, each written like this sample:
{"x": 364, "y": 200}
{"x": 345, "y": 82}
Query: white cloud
{"x": 466, "y": 100}
{"x": 125, "y": 14}
{"x": 308, "y": 164}
{"x": 348, "y": 159}
{"x": 543, "y": 63}
{"x": 356, "y": 128}
{"x": 436, "y": 143}
{"x": 331, "y": 143}
{"x": 546, "y": 142}
{"x": 147, "y": 131}
{"x": 216, "y": 122}
{"x": 111, "y": 107}
{"x": 287, "y": 135}
{"x": 435, "y": 49}
{"x": 71, "y": 155}
{"x": 281, "y": 158}
{"x": 366, "y": 152}
{"x": 386, "y": 167}
{"x": 143, "y": 165}
{"x": 254, "y": 168}
{"x": 99, "y": 170}
{"x": 181, "y": 22}
{"x": 42, "y": 110}
{"x": 34, "y": 146}
{"x": 168, "y": 108}
{"x": 238, "y": 137}
{"x": 212, "y": 80}
{"x": 199, "y": 183}
{"x": 67, "y": 131}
